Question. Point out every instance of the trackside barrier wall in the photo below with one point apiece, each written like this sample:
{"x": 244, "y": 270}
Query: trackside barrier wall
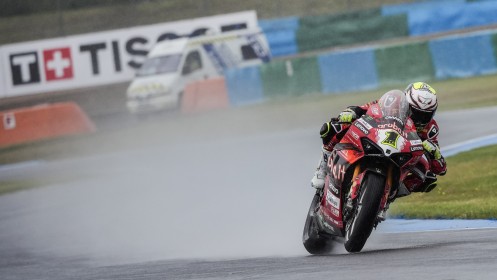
{"x": 348, "y": 71}
{"x": 280, "y": 34}
{"x": 494, "y": 44}
{"x": 401, "y": 63}
{"x": 282, "y": 42}
{"x": 288, "y": 36}
{"x": 451, "y": 17}
{"x": 318, "y": 32}
{"x": 40, "y": 122}
{"x": 291, "y": 77}
{"x": 367, "y": 68}
{"x": 459, "y": 57}
{"x": 244, "y": 85}
{"x": 205, "y": 95}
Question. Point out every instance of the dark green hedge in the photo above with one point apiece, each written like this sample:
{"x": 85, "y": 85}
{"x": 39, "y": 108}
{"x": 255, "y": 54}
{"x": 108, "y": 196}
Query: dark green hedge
{"x": 24, "y": 7}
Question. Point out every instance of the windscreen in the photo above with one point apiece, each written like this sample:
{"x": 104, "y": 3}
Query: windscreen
{"x": 394, "y": 105}
{"x": 159, "y": 65}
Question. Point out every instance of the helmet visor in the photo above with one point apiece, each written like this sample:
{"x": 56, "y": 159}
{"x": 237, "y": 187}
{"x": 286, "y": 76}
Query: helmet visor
{"x": 420, "y": 117}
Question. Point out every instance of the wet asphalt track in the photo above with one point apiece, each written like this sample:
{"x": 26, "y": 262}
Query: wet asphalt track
{"x": 230, "y": 209}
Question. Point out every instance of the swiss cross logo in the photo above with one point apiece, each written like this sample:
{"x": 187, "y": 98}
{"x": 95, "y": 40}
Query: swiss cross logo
{"x": 58, "y": 64}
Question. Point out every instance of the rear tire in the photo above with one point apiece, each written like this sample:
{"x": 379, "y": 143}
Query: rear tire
{"x": 360, "y": 225}
{"x": 315, "y": 243}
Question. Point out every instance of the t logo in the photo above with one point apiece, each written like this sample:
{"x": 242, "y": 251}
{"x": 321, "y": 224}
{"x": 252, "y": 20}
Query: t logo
{"x": 58, "y": 64}
{"x": 24, "y": 68}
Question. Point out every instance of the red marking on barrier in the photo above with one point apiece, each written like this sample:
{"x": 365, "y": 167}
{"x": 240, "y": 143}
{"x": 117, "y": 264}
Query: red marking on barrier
{"x": 204, "y": 96}
{"x": 40, "y": 122}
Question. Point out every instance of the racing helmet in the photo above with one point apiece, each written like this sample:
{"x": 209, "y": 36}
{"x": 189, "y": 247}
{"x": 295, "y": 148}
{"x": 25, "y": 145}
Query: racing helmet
{"x": 423, "y": 102}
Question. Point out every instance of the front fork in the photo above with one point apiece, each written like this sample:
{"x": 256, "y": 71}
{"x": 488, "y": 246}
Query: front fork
{"x": 357, "y": 178}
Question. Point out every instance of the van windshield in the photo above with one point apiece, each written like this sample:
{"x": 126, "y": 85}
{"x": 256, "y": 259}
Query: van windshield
{"x": 159, "y": 65}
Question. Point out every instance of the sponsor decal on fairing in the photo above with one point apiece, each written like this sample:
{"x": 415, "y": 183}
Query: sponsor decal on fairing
{"x": 394, "y": 127}
{"x": 361, "y": 128}
{"x": 416, "y": 142}
{"x": 332, "y": 200}
{"x": 394, "y": 118}
{"x": 338, "y": 172}
{"x": 335, "y": 212}
{"x": 416, "y": 148}
{"x": 334, "y": 189}
{"x": 365, "y": 124}
{"x": 354, "y": 135}
{"x": 324, "y": 221}
{"x": 390, "y": 140}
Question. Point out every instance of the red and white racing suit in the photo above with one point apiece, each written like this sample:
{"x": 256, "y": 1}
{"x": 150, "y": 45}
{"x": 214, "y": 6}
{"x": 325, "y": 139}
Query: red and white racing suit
{"x": 332, "y": 132}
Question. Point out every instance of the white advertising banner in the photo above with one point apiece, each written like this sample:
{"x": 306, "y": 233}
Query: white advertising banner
{"x": 96, "y": 58}
{"x": 3, "y": 92}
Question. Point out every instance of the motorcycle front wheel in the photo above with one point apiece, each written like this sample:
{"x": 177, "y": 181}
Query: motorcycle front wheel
{"x": 315, "y": 243}
{"x": 359, "y": 226}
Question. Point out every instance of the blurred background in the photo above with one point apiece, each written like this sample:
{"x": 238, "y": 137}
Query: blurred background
{"x": 230, "y": 181}
{"x": 306, "y": 34}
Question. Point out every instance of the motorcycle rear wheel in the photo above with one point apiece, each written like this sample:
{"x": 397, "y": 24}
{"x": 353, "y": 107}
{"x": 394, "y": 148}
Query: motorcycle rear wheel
{"x": 315, "y": 243}
{"x": 360, "y": 225}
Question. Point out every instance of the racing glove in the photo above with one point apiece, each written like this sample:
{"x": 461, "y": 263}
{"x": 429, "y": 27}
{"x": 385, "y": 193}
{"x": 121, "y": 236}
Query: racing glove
{"x": 432, "y": 149}
{"x": 347, "y": 116}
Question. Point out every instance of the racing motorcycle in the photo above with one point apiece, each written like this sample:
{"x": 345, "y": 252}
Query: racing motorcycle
{"x": 379, "y": 159}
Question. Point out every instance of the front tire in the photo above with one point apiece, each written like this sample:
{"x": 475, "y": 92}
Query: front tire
{"x": 360, "y": 225}
{"x": 315, "y": 243}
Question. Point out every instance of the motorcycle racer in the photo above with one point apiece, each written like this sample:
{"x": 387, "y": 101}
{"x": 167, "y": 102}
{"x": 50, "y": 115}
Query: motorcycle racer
{"x": 423, "y": 105}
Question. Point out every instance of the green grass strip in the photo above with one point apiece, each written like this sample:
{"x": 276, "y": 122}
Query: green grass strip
{"x": 468, "y": 191}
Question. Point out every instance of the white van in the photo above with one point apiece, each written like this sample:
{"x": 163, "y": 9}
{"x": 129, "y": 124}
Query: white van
{"x": 172, "y": 64}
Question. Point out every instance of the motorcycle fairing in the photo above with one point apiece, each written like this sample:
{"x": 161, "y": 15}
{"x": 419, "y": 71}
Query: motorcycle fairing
{"x": 343, "y": 156}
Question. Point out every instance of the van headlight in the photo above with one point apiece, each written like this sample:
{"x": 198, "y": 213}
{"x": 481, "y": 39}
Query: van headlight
{"x": 158, "y": 93}
{"x": 147, "y": 91}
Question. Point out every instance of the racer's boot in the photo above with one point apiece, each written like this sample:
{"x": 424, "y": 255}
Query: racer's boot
{"x": 430, "y": 182}
{"x": 317, "y": 180}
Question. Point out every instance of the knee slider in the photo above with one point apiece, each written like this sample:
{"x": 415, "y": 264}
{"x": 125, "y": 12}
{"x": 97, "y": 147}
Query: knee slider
{"x": 430, "y": 182}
